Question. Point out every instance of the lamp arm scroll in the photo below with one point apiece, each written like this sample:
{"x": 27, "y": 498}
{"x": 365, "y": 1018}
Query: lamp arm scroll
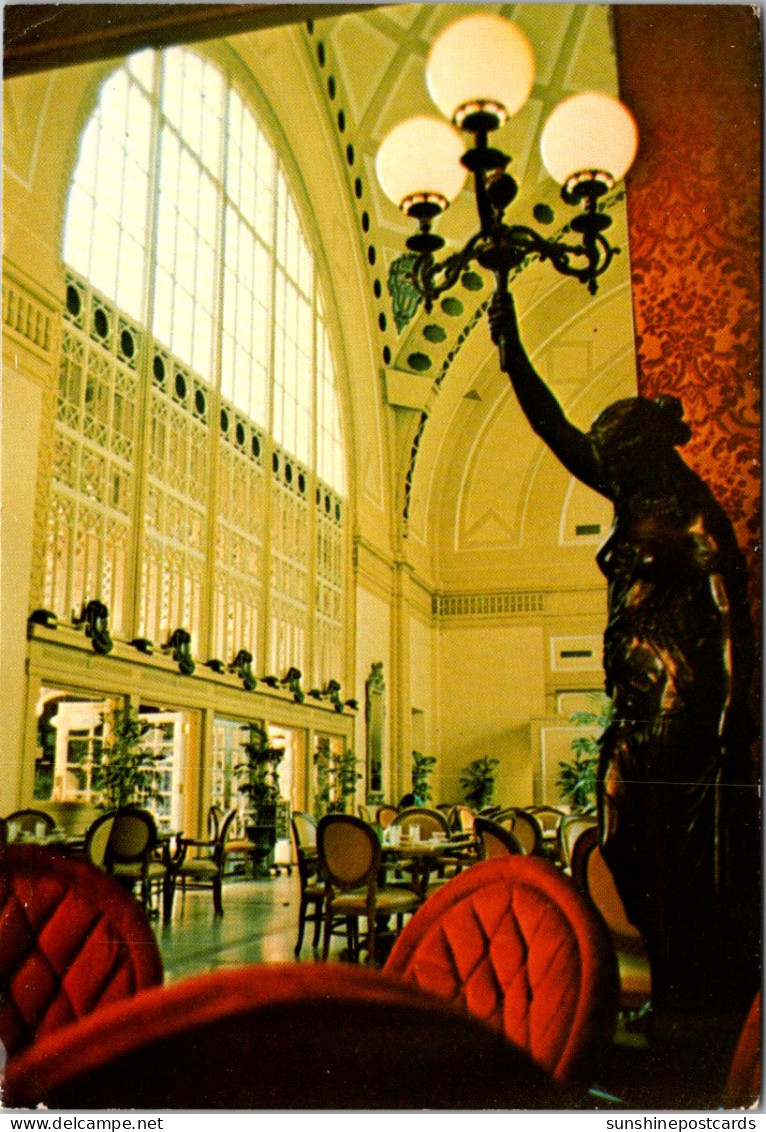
{"x": 431, "y": 279}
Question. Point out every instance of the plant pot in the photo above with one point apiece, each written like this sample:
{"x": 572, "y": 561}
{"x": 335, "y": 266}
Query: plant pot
{"x": 263, "y": 837}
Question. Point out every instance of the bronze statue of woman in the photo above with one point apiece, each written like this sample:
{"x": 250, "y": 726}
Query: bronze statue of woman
{"x": 677, "y": 802}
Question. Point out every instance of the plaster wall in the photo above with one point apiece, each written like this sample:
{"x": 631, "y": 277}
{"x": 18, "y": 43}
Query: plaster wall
{"x": 374, "y": 644}
{"x": 491, "y": 684}
{"x": 21, "y": 412}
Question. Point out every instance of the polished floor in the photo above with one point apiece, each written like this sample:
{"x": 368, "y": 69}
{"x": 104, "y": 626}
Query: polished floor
{"x": 259, "y": 925}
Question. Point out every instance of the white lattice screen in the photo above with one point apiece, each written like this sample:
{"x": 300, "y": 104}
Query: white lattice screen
{"x": 190, "y": 447}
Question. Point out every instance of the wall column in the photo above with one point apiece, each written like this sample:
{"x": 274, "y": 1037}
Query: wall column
{"x": 31, "y": 333}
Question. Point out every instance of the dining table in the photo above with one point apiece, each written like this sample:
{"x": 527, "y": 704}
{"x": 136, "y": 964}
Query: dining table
{"x": 424, "y": 857}
{"x": 69, "y": 843}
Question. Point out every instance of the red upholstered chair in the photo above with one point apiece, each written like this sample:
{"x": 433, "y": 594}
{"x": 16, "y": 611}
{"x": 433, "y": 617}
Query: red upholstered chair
{"x": 71, "y": 940}
{"x": 743, "y": 1087}
{"x": 513, "y": 942}
{"x": 281, "y": 1036}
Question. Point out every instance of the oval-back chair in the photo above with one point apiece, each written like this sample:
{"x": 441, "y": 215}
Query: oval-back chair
{"x": 525, "y": 828}
{"x": 494, "y": 839}
{"x": 350, "y": 858}
{"x": 427, "y": 821}
{"x": 73, "y": 942}
{"x": 357, "y": 1040}
{"x": 513, "y": 941}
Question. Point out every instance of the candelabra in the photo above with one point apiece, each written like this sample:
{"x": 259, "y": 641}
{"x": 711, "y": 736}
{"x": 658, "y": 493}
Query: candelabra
{"x": 480, "y": 72}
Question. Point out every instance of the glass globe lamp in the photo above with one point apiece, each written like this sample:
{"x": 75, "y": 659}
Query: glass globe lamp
{"x": 480, "y": 65}
{"x": 589, "y": 136}
{"x": 418, "y": 165}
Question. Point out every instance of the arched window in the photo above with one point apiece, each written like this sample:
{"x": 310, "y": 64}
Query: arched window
{"x": 198, "y": 474}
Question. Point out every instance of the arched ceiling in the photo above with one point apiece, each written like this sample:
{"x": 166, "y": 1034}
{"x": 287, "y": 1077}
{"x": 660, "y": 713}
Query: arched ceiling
{"x": 454, "y": 414}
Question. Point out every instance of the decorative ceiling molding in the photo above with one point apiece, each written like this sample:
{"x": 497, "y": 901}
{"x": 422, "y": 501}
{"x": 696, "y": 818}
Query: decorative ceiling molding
{"x": 38, "y": 37}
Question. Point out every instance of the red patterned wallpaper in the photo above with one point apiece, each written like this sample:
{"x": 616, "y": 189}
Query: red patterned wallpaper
{"x": 691, "y": 74}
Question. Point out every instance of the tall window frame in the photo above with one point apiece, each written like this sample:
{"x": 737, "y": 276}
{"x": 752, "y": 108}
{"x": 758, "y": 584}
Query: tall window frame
{"x": 199, "y": 467}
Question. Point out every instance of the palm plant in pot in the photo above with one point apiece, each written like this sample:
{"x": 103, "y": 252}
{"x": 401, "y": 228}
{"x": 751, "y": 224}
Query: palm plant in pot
{"x": 422, "y": 769}
{"x": 336, "y": 778}
{"x": 258, "y": 778}
{"x": 478, "y": 782}
{"x": 129, "y": 772}
{"x": 577, "y": 777}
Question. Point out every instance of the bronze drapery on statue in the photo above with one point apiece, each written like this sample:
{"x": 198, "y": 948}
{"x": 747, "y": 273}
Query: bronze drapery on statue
{"x": 678, "y": 804}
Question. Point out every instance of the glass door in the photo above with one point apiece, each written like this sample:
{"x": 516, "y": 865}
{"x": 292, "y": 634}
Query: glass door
{"x": 166, "y": 739}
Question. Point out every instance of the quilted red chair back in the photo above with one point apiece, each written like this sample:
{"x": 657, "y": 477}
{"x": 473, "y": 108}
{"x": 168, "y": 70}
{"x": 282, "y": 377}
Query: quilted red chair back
{"x": 513, "y": 942}
{"x": 279, "y": 1036}
{"x": 71, "y": 941}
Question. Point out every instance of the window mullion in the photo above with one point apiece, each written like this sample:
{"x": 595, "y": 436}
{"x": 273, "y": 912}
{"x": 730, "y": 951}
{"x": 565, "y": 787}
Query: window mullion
{"x": 143, "y": 414}
{"x": 207, "y": 632}
{"x": 268, "y": 494}
{"x": 311, "y": 603}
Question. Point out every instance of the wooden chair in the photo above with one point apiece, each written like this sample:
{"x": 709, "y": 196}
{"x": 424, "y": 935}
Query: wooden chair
{"x": 495, "y": 840}
{"x": 358, "y": 1041}
{"x": 461, "y": 819}
{"x": 550, "y": 819}
{"x": 215, "y": 816}
{"x": 200, "y": 864}
{"x": 384, "y": 815}
{"x": 525, "y": 828}
{"x": 548, "y": 816}
{"x": 28, "y": 823}
{"x": 239, "y": 845}
{"x": 73, "y": 942}
{"x": 311, "y": 907}
{"x": 97, "y": 839}
{"x": 428, "y": 821}
{"x": 130, "y": 856}
{"x": 513, "y": 942}
{"x": 593, "y": 877}
{"x": 350, "y": 858}
{"x": 570, "y": 828}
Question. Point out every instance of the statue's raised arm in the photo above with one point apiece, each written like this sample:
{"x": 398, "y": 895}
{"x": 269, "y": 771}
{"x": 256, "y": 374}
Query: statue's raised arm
{"x": 572, "y": 447}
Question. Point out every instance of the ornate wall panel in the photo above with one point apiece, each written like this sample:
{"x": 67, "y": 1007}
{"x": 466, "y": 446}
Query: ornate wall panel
{"x": 692, "y": 76}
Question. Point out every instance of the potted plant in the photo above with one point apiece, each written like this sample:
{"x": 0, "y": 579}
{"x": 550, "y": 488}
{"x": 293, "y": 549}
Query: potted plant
{"x": 478, "y": 782}
{"x": 129, "y": 774}
{"x": 336, "y": 778}
{"x": 422, "y": 769}
{"x": 258, "y": 779}
{"x": 577, "y": 777}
